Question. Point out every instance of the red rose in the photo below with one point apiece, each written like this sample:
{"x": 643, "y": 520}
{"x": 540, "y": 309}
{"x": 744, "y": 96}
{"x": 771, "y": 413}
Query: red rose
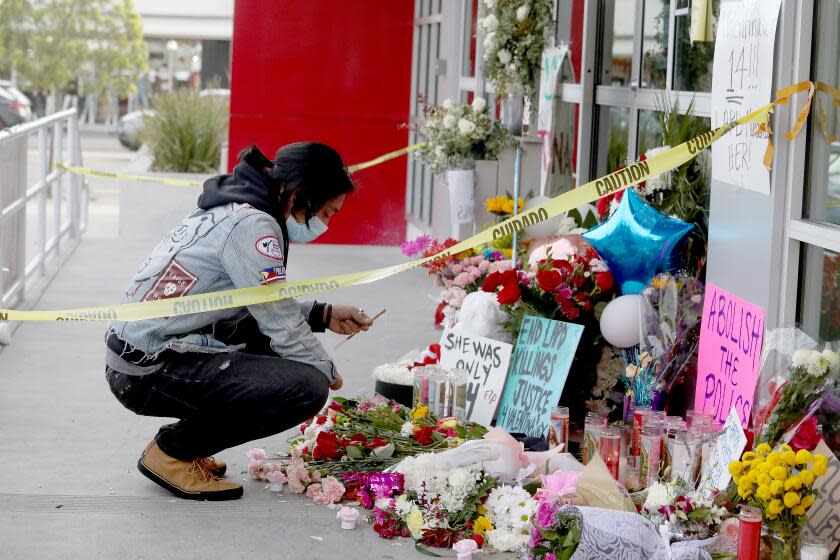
{"x": 578, "y": 280}
{"x": 326, "y": 447}
{"x": 492, "y": 282}
{"x": 807, "y": 436}
{"x": 510, "y": 294}
{"x": 321, "y": 420}
{"x": 565, "y": 267}
{"x": 439, "y": 313}
{"x": 560, "y": 299}
{"x": 479, "y": 540}
{"x": 424, "y": 435}
{"x": 604, "y": 281}
{"x": 548, "y": 279}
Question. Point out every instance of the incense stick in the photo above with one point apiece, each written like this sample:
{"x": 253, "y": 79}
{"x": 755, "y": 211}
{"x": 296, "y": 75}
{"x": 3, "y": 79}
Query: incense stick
{"x": 377, "y": 316}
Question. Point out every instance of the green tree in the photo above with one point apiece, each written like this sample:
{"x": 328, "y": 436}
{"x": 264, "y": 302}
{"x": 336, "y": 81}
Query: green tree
{"x": 49, "y": 43}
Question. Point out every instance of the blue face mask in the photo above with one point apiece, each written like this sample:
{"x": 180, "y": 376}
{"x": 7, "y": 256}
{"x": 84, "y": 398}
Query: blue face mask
{"x": 300, "y": 233}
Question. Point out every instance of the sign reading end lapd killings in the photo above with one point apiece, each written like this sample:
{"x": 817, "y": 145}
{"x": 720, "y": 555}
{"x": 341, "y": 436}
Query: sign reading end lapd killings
{"x": 538, "y": 371}
{"x": 731, "y": 335}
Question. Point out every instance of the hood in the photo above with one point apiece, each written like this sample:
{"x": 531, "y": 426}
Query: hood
{"x": 246, "y": 185}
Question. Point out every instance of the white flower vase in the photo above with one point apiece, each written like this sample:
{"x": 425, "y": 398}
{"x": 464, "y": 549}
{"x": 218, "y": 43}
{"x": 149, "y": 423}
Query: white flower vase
{"x": 512, "y": 113}
{"x": 461, "y": 184}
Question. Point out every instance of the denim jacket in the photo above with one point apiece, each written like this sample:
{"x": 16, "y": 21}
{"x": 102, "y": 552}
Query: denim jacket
{"x": 232, "y": 245}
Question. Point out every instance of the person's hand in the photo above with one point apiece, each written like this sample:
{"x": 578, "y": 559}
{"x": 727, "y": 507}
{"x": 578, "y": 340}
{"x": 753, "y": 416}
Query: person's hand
{"x": 348, "y": 320}
{"x": 338, "y": 383}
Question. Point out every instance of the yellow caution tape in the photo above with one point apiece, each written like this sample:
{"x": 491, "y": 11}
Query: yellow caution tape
{"x": 584, "y": 194}
{"x": 192, "y": 183}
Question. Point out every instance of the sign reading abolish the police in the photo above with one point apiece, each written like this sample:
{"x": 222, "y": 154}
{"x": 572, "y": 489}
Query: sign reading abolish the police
{"x": 537, "y": 375}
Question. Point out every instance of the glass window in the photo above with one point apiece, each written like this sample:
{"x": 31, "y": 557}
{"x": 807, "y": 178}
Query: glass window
{"x": 823, "y": 195}
{"x": 618, "y": 45}
{"x": 655, "y": 43}
{"x": 570, "y": 32}
{"x": 563, "y": 164}
{"x": 693, "y": 61}
{"x": 650, "y": 130}
{"x": 613, "y": 134}
{"x": 819, "y": 301}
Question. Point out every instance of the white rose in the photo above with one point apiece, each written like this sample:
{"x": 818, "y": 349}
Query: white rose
{"x": 449, "y": 121}
{"x": 479, "y": 104}
{"x": 522, "y": 12}
{"x": 504, "y": 56}
{"x": 447, "y": 104}
{"x": 466, "y": 127}
{"x": 658, "y": 496}
{"x": 490, "y": 23}
{"x": 407, "y": 429}
{"x": 489, "y": 41}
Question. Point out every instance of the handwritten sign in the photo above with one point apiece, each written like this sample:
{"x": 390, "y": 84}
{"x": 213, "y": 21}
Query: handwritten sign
{"x": 556, "y": 123}
{"x": 824, "y": 515}
{"x": 730, "y": 444}
{"x": 487, "y": 362}
{"x": 538, "y": 372}
{"x": 741, "y": 82}
{"x": 731, "y": 335}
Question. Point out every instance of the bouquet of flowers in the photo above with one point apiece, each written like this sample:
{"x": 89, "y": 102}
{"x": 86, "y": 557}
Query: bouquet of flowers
{"x": 300, "y": 477}
{"x": 514, "y": 40}
{"x": 811, "y": 373}
{"x": 690, "y": 515}
{"x": 458, "y": 134}
{"x": 555, "y": 532}
{"x": 509, "y": 510}
{"x": 780, "y": 484}
{"x": 437, "y": 510}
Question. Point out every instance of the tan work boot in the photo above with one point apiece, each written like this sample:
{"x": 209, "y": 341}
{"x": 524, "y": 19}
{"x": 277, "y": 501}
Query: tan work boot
{"x": 191, "y": 480}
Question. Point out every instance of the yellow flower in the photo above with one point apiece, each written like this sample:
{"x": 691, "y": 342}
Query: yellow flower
{"x": 481, "y": 510}
{"x": 482, "y": 525}
{"x": 785, "y": 447}
{"x": 735, "y": 468}
{"x": 763, "y": 492}
{"x": 777, "y": 487}
{"x": 774, "y": 459}
{"x": 765, "y": 467}
{"x": 803, "y": 457}
{"x": 807, "y": 501}
{"x": 736, "y": 478}
{"x": 414, "y": 522}
{"x": 793, "y": 483}
{"x": 763, "y": 449}
{"x": 791, "y": 499}
{"x": 764, "y": 479}
{"x": 744, "y": 492}
{"x": 820, "y": 467}
{"x": 779, "y": 473}
{"x": 807, "y": 477}
{"x": 799, "y": 511}
{"x": 748, "y": 456}
{"x": 420, "y": 412}
{"x": 775, "y": 507}
{"x": 789, "y": 457}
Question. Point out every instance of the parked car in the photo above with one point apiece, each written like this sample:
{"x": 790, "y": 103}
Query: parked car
{"x": 130, "y": 124}
{"x": 15, "y": 107}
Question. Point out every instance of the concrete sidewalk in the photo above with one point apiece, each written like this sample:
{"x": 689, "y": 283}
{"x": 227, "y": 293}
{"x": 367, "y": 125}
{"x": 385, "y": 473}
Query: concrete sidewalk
{"x": 69, "y": 487}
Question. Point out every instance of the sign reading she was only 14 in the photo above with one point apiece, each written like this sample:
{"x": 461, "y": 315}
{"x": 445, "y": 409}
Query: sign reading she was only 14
{"x": 731, "y": 336}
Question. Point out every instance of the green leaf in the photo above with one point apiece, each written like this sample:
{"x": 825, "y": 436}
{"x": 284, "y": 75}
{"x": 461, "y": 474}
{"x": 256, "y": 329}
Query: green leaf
{"x": 422, "y": 549}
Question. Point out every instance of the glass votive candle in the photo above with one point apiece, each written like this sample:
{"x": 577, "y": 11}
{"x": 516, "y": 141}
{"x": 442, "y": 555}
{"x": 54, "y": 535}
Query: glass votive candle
{"x": 630, "y": 478}
{"x": 421, "y": 386}
{"x": 437, "y": 390}
{"x": 458, "y": 382}
{"x": 610, "y": 449}
{"x": 650, "y": 456}
{"x": 560, "y": 426}
{"x": 749, "y": 533}
{"x": 813, "y": 548}
{"x": 592, "y": 427}
{"x": 639, "y": 414}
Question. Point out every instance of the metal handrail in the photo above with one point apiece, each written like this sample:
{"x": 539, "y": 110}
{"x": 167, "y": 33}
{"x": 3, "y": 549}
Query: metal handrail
{"x": 19, "y": 263}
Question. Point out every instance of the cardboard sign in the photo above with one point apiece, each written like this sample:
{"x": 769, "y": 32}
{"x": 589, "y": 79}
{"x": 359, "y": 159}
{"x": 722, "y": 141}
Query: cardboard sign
{"x": 487, "y": 362}
{"x": 731, "y": 335}
{"x": 730, "y": 444}
{"x": 742, "y": 78}
{"x": 538, "y": 372}
{"x": 824, "y": 515}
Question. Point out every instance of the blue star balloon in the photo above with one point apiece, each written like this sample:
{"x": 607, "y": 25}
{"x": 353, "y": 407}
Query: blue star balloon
{"x": 637, "y": 242}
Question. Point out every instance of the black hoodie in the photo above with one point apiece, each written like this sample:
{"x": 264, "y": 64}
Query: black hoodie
{"x": 246, "y": 185}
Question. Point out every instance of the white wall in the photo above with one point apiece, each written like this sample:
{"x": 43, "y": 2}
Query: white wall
{"x": 186, "y": 19}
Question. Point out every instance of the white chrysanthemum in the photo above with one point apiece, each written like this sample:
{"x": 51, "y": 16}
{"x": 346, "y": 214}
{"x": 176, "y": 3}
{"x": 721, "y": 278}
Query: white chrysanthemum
{"x": 466, "y": 127}
{"x": 489, "y": 41}
{"x": 504, "y": 56}
{"x": 658, "y": 495}
{"x": 449, "y": 121}
{"x": 833, "y": 361}
{"x": 407, "y": 429}
{"x": 802, "y": 357}
{"x": 522, "y": 12}
{"x": 660, "y": 182}
{"x": 490, "y": 23}
{"x": 447, "y": 104}
{"x": 478, "y": 104}
{"x": 506, "y": 541}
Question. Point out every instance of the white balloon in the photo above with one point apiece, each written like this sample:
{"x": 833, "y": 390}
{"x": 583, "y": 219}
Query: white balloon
{"x": 543, "y": 229}
{"x": 620, "y": 321}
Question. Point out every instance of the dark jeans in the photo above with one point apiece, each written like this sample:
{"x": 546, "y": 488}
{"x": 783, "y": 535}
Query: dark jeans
{"x": 223, "y": 400}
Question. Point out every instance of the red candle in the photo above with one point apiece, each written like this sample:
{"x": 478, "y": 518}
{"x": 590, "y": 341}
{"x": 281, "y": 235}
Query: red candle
{"x": 749, "y": 533}
{"x": 610, "y": 449}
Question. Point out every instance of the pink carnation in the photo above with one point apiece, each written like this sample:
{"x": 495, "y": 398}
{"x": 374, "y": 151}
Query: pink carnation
{"x": 257, "y": 454}
{"x": 333, "y": 488}
{"x": 483, "y": 266}
{"x": 276, "y": 477}
{"x": 313, "y": 489}
{"x": 457, "y": 269}
{"x": 315, "y": 476}
{"x": 295, "y": 486}
{"x": 462, "y": 280}
{"x": 255, "y": 470}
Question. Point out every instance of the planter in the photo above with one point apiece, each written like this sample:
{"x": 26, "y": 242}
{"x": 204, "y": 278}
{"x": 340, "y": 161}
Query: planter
{"x": 461, "y": 184}
{"x": 403, "y": 394}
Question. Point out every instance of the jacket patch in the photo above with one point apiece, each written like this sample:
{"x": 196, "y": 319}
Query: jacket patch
{"x": 270, "y": 247}
{"x": 272, "y": 274}
{"x": 174, "y": 281}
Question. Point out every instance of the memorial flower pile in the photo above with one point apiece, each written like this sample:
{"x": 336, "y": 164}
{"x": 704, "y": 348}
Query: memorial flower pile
{"x": 690, "y": 514}
{"x": 514, "y": 38}
{"x": 509, "y": 509}
{"x": 555, "y": 532}
{"x": 458, "y": 134}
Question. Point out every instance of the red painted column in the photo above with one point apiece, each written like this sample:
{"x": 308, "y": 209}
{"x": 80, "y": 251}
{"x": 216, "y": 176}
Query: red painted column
{"x": 331, "y": 72}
